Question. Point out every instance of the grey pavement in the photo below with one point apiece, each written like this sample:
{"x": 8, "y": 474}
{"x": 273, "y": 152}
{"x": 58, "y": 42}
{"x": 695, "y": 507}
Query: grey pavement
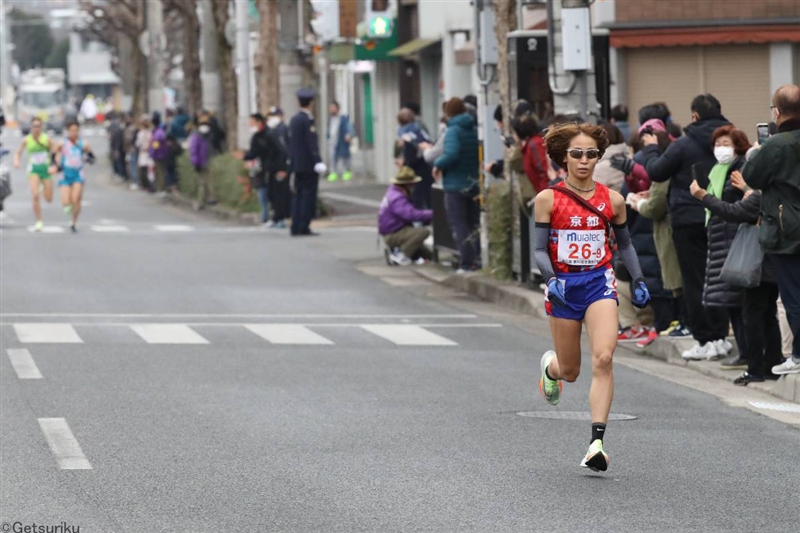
{"x": 225, "y": 378}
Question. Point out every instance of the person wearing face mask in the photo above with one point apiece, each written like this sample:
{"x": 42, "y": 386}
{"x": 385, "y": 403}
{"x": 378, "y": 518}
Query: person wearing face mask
{"x": 689, "y": 156}
{"x": 200, "y": 144}
{"x": 730, "y": 147}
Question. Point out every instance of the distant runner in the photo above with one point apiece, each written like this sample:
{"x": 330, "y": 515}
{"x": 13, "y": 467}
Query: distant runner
{"x": 69, "y": 157}
{"x": 38, "y": 146}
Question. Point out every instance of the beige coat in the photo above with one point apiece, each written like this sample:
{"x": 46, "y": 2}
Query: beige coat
{"x": 655, "y": 208}
{"x": 611, "y": 177}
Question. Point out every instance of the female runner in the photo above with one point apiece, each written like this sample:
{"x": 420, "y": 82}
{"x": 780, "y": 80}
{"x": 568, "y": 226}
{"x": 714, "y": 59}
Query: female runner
{"x": 573, "y": 223}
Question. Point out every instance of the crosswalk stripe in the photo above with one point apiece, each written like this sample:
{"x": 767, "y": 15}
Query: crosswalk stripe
{"x": 23, "y": 364}
{"x": 287, "y": 334}
{"x": 63, "y": 444}
{"x": 408, "y": 335}
{"x": 49, "y": 229}
{"x": 47, "y": 333}
{"x": 173, "y": 227}
{"x": 168, "y": 334}
{"x": 110, "y": 229}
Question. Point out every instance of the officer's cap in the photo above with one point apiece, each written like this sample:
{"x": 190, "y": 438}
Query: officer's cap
{"x": 305, "y": 94}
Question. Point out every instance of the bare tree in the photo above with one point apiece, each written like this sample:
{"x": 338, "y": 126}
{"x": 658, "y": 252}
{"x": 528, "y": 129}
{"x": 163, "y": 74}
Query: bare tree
{"x": 112, "y": 21}
{"x": 267, "y": 57}
{"x": 228, "y": 82}
{"x": 190, "y": 38}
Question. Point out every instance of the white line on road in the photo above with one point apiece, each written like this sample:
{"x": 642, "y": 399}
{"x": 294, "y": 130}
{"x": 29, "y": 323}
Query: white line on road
{"x": 785, "y": 407}
{"x": 110, "y": 229}
{"x": 232, "y": 315}
{"x": 471, "y": 325}
{"x": 407, "y": 335}
{"x": 173, "y": 227}
{"x": 23, "y": 364}
{"x": 168, "y": 334}
{"x": 287, "y": 334}
{"x": 63, "y": 444}
{"x": 48, "y": 229}
{"x": 47, "y": 333}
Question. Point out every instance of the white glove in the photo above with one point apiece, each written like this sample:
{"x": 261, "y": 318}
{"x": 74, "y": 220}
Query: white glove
{"x": 320, "y": 168}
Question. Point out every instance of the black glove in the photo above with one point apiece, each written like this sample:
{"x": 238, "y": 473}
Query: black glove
{"x": 622, "y": 163}
{"x": 90, "y": 158}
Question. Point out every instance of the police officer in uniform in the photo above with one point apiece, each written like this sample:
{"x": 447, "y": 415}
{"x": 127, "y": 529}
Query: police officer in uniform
{"x": 306, "y": 164}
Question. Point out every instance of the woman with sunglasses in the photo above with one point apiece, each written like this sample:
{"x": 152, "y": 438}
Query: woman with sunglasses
{"x": 574, "y": 220}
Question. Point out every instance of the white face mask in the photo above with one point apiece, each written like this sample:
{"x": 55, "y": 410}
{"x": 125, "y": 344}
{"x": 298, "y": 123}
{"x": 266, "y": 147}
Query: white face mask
{"x": 724, "y": 154}
{"x": 253, "y": 129}
{"x": 273, "y": 122}
{"x": 204, "y": 128}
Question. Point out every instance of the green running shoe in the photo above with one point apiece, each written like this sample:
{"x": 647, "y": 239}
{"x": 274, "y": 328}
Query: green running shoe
{"x": 550, "y": 388}
{"x": 596, "y": 458}
{"x": 347, "y": 176}
{"x": 333, "y": 176}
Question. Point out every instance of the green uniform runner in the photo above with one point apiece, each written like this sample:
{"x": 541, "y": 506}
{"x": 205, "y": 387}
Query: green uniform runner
{"x": 38, "y": 156}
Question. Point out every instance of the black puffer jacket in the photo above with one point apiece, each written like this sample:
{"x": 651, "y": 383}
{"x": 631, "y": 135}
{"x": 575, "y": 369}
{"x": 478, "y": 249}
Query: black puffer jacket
{"x": 717, "y": 293}
{"x": 744, "y": 211}
{"x": 693, "y": 148}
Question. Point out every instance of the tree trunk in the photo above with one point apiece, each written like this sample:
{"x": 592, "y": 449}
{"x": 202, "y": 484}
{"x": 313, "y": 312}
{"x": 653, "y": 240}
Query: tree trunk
{"x": 505, "y": 21}
{"x": 268, "y": 57}
{"x": 192, "y": 81}
{"x": 227, "y": 74}
{"x": 139, "y": 82}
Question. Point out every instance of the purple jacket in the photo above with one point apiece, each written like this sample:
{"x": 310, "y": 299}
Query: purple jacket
{"x": 159, "y": 150}
{"x": 198, "y": 151}
{"x": 397, "y": 212}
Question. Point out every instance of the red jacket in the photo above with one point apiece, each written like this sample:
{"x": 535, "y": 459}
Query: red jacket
{"x": 534, "y": 160}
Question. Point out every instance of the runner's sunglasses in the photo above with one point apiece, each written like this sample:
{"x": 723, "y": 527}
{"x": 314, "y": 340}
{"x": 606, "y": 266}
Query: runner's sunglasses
{"x": 578, "y": 153}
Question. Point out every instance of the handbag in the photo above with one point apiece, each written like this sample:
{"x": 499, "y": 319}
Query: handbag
{"x": 743, "y": 265}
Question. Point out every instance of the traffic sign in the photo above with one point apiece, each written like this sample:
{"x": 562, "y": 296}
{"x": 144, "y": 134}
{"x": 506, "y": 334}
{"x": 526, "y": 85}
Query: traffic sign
{"x": 379, "y": 27}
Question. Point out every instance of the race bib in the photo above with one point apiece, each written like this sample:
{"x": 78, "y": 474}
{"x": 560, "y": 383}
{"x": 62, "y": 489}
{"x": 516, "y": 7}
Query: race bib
{"x": 581, "y": 247}
{"x": 39, "y": 158}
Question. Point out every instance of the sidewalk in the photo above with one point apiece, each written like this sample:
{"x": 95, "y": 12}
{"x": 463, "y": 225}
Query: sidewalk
{"x": 530, "y": 302}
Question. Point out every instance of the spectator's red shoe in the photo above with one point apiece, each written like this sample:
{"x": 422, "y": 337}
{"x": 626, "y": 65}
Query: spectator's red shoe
{"x": 633, "y": 334}
{"x": 647, "y": 341}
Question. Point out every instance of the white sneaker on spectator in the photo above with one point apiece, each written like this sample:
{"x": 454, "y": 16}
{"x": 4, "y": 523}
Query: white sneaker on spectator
{"x": 790, "y": 366}
{"x": 700, "y": 352}
{"x": 723, "y": 347}
{"x": 134, "y": 187}
{"x": 461, "y": 271}
{"x": 399, "y": 258}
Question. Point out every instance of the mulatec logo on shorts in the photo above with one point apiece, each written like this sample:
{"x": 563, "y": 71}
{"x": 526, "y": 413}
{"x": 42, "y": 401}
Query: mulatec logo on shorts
{"x": 581, "y": 247}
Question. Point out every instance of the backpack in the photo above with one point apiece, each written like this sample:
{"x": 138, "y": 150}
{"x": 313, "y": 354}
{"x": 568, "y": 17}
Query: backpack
{"x": 534, "y": 160}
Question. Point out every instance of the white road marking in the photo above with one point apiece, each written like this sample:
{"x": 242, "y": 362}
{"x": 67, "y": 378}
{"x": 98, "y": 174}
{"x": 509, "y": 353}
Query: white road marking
{"x": 173, "y": 227}
{"x": 168, "y": 334}
{"x": 63, "y": 444}
{"x": 287, "y": 334}
{"x": 231, "y": 315}
{"x": 785, "y": 407}
{"x": 407, "y": 335}
{"x": 107, "y": 221}
{"x": 49, "y": 229}
{"x": 47, "y": 333}
{"x": 110, "y": 229}
{"x": 23, "y": 364}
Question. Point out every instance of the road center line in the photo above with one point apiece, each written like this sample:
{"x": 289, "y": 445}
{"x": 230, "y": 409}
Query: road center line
{"x": 232, "y": 315}
{"x": 63, "y": 444}
{"x": 23, "y": 364}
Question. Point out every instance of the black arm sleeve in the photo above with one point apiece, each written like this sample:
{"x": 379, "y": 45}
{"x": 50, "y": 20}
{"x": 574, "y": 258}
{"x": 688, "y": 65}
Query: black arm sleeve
{"x": 541, "y": 234}
{"x": 627, "y": 252}
{"x": 746, "y": 210}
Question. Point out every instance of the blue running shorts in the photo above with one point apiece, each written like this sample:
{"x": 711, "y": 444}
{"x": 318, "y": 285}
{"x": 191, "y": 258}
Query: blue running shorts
{"x": 582, "y": 289}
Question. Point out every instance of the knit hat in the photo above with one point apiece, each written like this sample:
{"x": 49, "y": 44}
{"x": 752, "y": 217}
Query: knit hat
{"x": 654, "y": 124}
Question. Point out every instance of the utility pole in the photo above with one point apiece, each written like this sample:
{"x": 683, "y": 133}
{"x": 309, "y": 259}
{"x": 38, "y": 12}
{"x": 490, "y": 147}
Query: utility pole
{"x": 243, "y": 70}
{"x": 155, "y": 30}
{"x": 5, "y": 60}
{"x": 210, "y": 75}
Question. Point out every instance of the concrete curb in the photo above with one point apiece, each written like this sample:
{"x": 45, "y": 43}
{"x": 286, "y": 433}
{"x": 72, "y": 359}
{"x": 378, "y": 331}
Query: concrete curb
{"x": 523, "y": 300}
{"x": 216, "y": 211}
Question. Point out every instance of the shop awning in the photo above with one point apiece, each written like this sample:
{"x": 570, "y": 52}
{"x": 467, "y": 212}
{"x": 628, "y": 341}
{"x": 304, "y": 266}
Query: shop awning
{"x": 704, "y": 36}
{"x": 412, "y": 47}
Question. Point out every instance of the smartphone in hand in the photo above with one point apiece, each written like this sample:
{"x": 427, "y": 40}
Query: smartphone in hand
{"x": 762, "y": 132}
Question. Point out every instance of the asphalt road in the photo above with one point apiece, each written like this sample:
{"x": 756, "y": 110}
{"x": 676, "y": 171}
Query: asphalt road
{"x": 203, "y": 377}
